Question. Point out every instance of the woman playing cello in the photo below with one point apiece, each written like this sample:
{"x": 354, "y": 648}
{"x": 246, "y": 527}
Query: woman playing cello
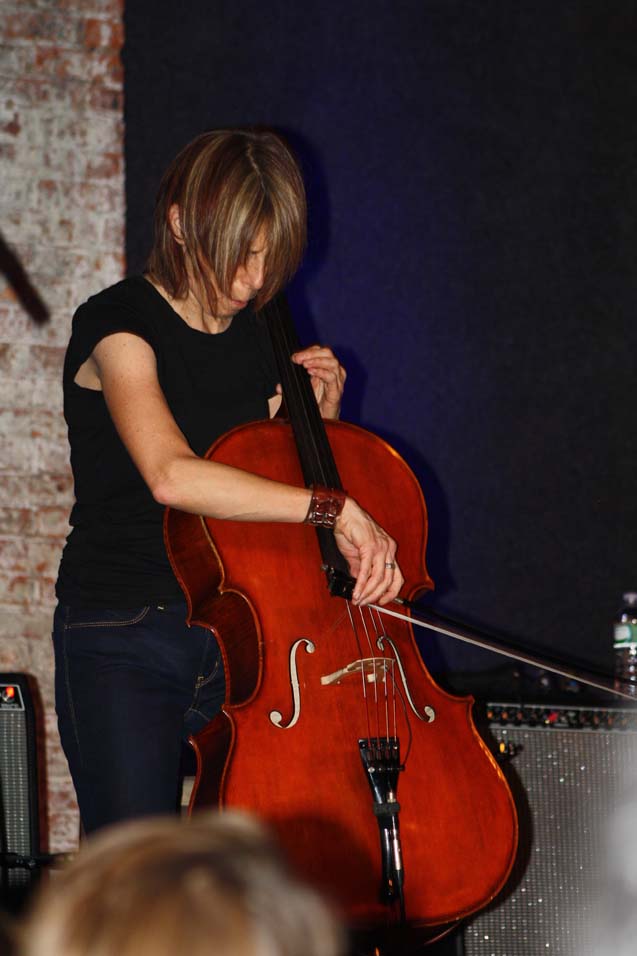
{"x": 158, "y": 366}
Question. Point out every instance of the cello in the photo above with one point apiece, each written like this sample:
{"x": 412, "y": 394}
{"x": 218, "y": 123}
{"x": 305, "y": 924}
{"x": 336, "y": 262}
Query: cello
{"x": 375, "y": 780}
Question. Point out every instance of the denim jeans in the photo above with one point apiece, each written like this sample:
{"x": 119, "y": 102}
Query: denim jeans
{"x": 130, "y": 686}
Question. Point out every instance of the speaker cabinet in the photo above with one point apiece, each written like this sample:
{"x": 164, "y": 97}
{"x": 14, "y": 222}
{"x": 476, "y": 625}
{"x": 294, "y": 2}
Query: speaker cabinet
{"x": 19, "y": 810}
{"x": 568, "y": 768}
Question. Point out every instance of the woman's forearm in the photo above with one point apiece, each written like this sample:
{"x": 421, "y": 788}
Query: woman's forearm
{"x": 196, "y": 485}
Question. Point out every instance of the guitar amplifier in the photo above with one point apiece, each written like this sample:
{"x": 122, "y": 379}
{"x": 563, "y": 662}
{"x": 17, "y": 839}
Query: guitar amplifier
{"x": 19, "y": 805}
{"x": 569, "y": 768}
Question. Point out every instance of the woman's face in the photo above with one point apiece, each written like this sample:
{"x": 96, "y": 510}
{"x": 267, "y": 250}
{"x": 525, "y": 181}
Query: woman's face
{"x": 247, "y": 282}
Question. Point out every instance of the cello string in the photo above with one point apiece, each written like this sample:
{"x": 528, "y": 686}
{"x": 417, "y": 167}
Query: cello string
{"x": 370, "y": 648}
{"x": 299, "y": 395}
{"x": 360, "y": 657}
{"x": 383, "y": 633}
{"x": 313, "y": 418}
{"x": 290, "y": 384}
{"x": 324, "y": 458}
{"x": 397, "y": 692}
{"x": 379, "y": 633}
{"x": 325, "y": 636}
{"x": 372, "y": 654}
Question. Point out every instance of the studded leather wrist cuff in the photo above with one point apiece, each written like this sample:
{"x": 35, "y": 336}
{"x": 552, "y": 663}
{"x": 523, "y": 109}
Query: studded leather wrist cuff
{"x": 325, "y": 506}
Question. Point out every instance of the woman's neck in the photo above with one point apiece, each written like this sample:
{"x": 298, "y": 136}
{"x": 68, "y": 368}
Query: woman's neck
{"x": 192, "y": 311}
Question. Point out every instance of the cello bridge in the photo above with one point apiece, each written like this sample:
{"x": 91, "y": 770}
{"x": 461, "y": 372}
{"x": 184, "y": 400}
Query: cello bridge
{"x": 373, "y": 669}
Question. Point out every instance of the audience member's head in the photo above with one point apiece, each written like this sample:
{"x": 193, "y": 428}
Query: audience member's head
{"x": 7, "y": 935}
{"x": 212, "y": 886}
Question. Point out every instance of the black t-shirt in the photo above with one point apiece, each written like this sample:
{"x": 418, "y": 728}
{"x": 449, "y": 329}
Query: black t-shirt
{"x": 115, "y": 555}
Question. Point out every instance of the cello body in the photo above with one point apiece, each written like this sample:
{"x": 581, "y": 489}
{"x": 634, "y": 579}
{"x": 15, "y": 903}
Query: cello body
{"x": 306, "y": 685}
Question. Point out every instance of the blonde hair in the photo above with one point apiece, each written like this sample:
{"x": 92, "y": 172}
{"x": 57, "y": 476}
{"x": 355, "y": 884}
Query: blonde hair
{"x": 212, "y": 886}
{"x": 229, "y": 185}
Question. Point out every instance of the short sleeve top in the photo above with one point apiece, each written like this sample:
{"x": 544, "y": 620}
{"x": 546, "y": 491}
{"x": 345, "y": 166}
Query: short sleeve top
{"x": 115, "y": 555}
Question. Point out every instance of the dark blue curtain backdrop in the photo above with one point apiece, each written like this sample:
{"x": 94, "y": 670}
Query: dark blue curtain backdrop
{"x": 472, "y": 173}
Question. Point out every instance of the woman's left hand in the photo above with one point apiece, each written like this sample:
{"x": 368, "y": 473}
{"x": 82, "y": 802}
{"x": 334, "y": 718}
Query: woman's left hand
{"x": 327, "y": 375}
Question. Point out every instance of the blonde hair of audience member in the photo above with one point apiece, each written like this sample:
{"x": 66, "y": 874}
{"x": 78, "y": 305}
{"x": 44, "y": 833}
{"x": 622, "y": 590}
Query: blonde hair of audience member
{"x": 212, "y": 886}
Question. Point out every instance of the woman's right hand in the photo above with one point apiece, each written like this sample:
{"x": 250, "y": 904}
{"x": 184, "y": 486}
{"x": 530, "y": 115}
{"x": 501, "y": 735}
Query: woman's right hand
{"x": 370, "y": 553}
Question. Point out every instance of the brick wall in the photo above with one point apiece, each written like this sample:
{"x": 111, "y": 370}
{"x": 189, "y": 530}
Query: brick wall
{"x": 61, "y": 223}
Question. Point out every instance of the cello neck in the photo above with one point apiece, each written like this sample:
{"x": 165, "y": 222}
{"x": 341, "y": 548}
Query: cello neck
{"x": 310, "y": 435}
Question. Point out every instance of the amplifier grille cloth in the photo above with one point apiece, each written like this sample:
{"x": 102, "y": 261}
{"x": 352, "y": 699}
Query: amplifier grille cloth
{"x": 14, "y": 783}
{"x": 571, "y": 780}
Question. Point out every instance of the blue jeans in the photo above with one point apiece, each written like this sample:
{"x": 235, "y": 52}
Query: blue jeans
{"x": 130, "y": 686}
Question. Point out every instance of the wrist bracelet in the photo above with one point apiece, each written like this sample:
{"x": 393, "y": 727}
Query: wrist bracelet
{"x": 325, "y": 506}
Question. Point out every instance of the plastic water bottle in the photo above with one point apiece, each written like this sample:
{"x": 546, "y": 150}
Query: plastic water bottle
{"x": 625, "y": 644}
